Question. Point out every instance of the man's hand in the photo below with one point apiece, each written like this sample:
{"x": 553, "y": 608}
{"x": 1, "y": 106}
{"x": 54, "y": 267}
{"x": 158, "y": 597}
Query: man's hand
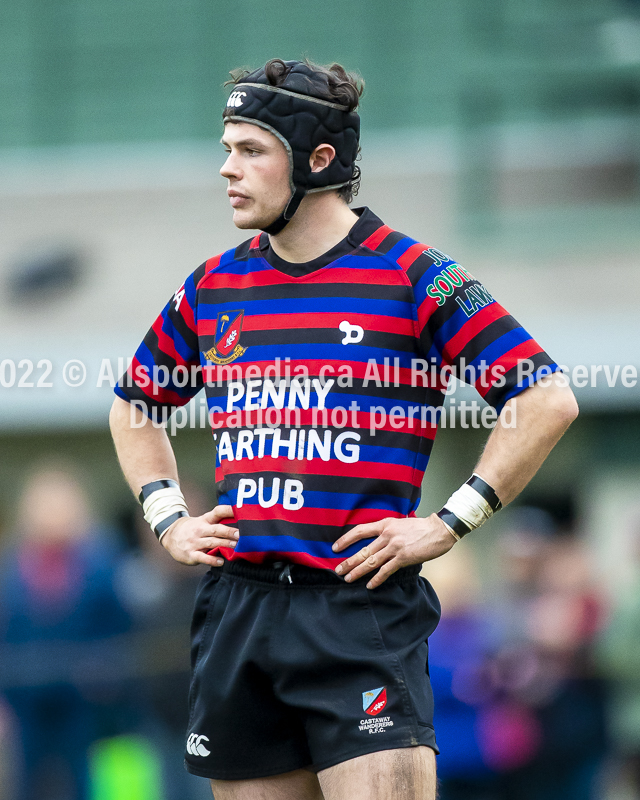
{"x": 189, "y": 538}
{"x": 398, "y": 543}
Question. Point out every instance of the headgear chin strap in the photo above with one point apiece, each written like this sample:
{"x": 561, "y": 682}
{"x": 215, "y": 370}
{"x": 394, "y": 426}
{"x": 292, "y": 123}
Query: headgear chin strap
{"x": 302, "y": 115}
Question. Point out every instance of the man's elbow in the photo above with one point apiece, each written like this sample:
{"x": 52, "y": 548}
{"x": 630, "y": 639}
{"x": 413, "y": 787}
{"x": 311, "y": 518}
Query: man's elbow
{"x": 562, "y": 405}
{"x": 118, "y": 415}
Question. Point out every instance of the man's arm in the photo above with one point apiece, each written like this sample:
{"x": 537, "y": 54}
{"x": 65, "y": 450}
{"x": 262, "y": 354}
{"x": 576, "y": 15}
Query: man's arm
{"x": 146, "y": 455}
{"x": 512, "y": 457}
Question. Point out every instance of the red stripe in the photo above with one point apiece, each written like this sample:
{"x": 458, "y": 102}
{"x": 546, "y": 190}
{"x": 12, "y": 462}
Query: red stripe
{"x": 377, "y": 237}
{"x": 315, "y": 466}
{"x": 165, "y": 342}
{"x": 316, "y": 516}
{"x": 156, "y": 394}
{"x": 315, "y": 418}
{"x": 410, "y": 255}
{"x": 370, "y": 322}
{"x": 187, "y": 314}
{"x": 472, "y": 327}
{"x": 255, "y": 242}
{"x": 509, "y": 360}
{"x": 212, "y": 263}
{"x": 211, "y": 373}
{"x": 272, "y": 277}
{"x": 277, "y": 555}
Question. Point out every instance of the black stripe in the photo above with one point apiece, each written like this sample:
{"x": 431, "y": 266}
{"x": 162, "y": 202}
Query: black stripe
{"x": 381, "y": 340}
{"x": 491, "y": 333}
{"x": 485, "y": 491}
{"x": 149, "y": 488}
{"x": 391, "y": 240}
{"x": 329, "y": 484}
{"x": 301, "y": 292}
{"x": 162, "y": 526}
{"x": 496, "y": 394}
{"x": 457, "y": 525}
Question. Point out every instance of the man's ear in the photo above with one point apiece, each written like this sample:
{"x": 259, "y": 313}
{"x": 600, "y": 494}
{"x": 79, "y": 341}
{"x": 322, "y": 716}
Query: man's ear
{"x": 321, "y": 157}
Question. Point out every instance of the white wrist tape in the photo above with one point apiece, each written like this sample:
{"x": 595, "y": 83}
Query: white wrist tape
{"x": 469, "y": 506}
{"x": 163, "y": 507}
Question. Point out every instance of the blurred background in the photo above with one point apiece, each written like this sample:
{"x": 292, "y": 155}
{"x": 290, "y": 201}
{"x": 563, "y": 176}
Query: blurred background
{"x": 505, "y": 133}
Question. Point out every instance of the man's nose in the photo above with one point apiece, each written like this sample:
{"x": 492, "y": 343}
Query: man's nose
{"x": 230, "y": 168}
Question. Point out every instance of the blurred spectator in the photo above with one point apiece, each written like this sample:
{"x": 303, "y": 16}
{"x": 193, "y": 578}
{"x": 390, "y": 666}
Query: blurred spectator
{"x": 459, "y": 653}
{"x": 619, "y": 656}
{"x": 551, "y": 614}
{"x": 159, "y": 593}
{"x": 62, "y": 653}
{"x": 519, "y": 706}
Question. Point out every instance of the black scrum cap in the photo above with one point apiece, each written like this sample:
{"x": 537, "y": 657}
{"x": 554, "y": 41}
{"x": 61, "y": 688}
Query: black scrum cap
{"x": 302, "y": 114}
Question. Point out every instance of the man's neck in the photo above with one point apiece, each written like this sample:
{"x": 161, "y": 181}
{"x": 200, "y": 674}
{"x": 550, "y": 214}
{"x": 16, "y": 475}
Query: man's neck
{"x": 321, "y": 221}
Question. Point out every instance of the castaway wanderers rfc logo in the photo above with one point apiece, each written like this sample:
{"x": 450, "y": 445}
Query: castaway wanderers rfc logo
{"x": 374, "y": 701}
{"x": 227, "y": 338}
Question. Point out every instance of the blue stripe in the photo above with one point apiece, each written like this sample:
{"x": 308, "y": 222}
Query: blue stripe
{"x": 337, "y": 501}
{"x": 366, "y": 262}
{"x": 289, "y": 544}
{"x": 179, "y": 343}
{"x": 399, "y": 248}
{"x": 311, "y": 305}
{"x": 145, "y": 357}
{"x": 321, "y": 352}
{"x": 501, "y": 346}
{"x": 244, "y": 267}
{"x": 365, "y": 404}
{"x": 450, "y": 328}
{"x": 380, "y": 455}
{"x": 542, "y": 372}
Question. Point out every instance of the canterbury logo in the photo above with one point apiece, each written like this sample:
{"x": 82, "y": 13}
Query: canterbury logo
{"x": 352, "y": 333}
{"x": 195, "y": 746}
{"x": 235, "y": 99}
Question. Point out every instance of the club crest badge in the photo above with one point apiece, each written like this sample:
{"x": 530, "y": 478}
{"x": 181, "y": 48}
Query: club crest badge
{"x": 227, "y": 338}
{"x": 374, "y": 701}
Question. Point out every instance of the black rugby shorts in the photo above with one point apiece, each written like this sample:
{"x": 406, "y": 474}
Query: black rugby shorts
{"x": 292, "y": 667}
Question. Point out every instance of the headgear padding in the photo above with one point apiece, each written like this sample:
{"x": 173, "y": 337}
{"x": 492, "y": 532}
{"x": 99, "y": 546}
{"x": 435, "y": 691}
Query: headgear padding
{"x": 301, "y": 114}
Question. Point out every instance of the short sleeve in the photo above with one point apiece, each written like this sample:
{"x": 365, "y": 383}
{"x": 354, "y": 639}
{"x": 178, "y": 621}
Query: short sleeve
{"x": 464, "y": 329}
{"x": 166, "y": 370}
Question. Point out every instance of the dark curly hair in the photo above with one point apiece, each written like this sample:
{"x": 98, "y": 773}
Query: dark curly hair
{"x": 345, "y": 88}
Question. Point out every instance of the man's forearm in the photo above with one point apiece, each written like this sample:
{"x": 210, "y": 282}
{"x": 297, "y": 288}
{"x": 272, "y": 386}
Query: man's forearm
{"x": 144, "y": 452}
{"x": 513, "y": 455}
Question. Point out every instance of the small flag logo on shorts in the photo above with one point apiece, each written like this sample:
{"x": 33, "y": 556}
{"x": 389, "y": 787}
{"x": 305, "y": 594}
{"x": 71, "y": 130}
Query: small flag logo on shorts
{"x": 374, "y": 701}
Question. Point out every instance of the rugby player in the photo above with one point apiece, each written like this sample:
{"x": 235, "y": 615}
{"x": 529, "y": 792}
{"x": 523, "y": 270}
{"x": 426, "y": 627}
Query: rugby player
{"x": 324, "y": 343}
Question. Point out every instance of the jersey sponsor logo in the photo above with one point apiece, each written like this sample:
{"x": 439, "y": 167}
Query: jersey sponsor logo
{"x": 352, "y": 333}
{"x": 374, "y": 701}
{"x": 447, "y": 282}
{"x": 235, "y": 99}
{"x": 477, "y": 297}
{"x": 196, "y": 747}
{"x": 227, "y": 338}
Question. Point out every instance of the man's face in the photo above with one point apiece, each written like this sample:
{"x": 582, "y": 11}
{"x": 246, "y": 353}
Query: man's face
{"x": 257, "y": 168}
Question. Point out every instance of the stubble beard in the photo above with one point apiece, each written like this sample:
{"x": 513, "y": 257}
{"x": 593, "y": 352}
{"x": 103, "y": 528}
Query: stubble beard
{"x": 257, "y": 220}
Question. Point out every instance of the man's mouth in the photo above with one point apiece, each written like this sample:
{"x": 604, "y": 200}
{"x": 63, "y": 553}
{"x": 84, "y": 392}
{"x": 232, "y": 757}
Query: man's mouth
{"x": 236, "y": 198}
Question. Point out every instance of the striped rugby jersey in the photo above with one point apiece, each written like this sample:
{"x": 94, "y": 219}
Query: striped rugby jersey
{"x": 323, "y": 381}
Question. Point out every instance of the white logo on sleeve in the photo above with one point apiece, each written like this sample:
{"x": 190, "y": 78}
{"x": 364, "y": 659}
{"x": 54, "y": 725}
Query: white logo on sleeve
{"x": 195, "y": 746}
{"x": 352, "y": 333}
{"x": 235, "y": 99}
{"x": 177, "y": 297}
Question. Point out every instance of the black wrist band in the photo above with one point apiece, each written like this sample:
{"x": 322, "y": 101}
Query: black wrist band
{"x": 161, "y": 527}
{"x": 457, "y": 525}
{"x": 485, "y": 491}
{"x": 150, "y": 488}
